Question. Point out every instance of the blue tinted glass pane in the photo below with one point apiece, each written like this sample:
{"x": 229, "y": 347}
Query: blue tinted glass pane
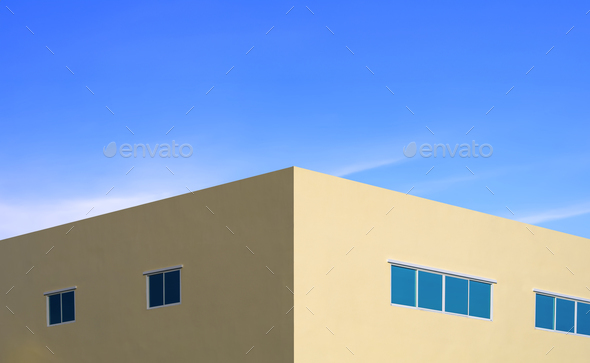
{"x": 54, "y": 309}
{"x": 583, "y": 326}
{"x": 429, "y": 290}
{"x": 544, "y": 311}
{"x": 479, "y": 299}
{"x": 456, "y": 295}
{"x": 156, "y": 290}
{"x": 403, "y": 286}
{"x": 172, "y": 286}
{"x": 564, "y": 315}
{"x": 67, "y": 306}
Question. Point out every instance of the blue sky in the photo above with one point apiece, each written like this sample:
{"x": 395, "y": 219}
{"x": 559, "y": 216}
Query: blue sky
{"x": 299, "y": 97}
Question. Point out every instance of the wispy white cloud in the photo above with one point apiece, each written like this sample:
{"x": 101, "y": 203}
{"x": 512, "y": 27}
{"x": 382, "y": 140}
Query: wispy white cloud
{"x": 363, "y": 166}
{"x": 47, "y": 208}
{"x": 20, "y": 218}
{"x": 557, "y": 214}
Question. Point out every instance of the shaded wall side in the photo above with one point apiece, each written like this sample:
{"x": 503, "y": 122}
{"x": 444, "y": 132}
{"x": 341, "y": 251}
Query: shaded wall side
{"x": 343, "y": 239}
{"x": 230, "y": 297}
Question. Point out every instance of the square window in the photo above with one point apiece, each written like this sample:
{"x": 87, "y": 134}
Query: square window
{"x": 544, "y": 311}
{"x": 163, "y": 288}
{"x": 565, "y": 311}
{"x": 583, "y": 322}
{"x": 430, "y": 290}
{"x": 456, "y": 295}
{"x": 61, "y": 308}
{"x": 479, "y": 299}
{"x": 403, "y": 286}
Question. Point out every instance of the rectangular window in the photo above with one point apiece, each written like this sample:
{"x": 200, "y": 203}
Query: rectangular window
{"x": 566, "y": 314}
{"x": 430, "y": 290}
{"x": 545, "y": 311}
{"x": 479, "y": 299}
{"x": 172, "y": 284}
{"x": 440, "y": 290}
{"x": 163, "y": 287}
{"x": 156, "y": 293}
{"x": 583, "y": 321}
{"x": 61, "y": 307}
{"x": 403, "y": 286}
{"x": 456, "y": 295}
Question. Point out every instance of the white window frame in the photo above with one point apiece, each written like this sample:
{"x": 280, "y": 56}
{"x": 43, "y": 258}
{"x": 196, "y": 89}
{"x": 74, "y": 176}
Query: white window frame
{"x": 445, "y": 273}
{"x": 60, "y": 292}
{"x": 556, "y": 295}
{"x": 163, "y": 271}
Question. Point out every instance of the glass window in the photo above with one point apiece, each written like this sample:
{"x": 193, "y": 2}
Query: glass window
{"x": 479, "y": 299}
{"x": 67, "y": 307}
{"x": 544, "y": 311}
{"x": 430, "y": 290}
{"x": 565, "y": 311}
{"x": 164, "y": 288}
{"x": 583, "y": 323}
{"x": 564, "y": 315}
{"x": 156, "y": 290}
{"x": 456, "y": 295}
{"x": 54, "y": 309}
{"x": 61, "y": 308}
{"x": 172, "y": 293}
{"x": 403, "y": 286}
{"x": 435, "y": 290}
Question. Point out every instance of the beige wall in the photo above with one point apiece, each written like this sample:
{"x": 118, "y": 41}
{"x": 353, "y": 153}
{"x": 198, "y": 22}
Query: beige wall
{"x": 333, "y": 215}
{"x": 229, "y": 297}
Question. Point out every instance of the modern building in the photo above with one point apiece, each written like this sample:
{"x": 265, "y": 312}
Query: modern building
{"x": 295, "y": 266}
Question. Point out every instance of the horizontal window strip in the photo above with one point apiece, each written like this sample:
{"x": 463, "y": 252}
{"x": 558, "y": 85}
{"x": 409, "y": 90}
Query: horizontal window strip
{"x": 555, "y": 294}
{"x": 445, "y": 272}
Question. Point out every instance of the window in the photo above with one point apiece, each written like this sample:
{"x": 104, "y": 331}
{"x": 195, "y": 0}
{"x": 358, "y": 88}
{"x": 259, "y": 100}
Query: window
{"x": 430, "y": 290}
{"x": 456, "y": 295}
{"x": 583, "y": 321}
{"x": 565, "y": 312}
{"x": 479, "y": 299}
{"x": 403, "y": 286}
{"x": 562, "y": 313}
{"x": 163, "y": 287}
{"x": 545, "y": 311}
{"x": 61, "y": 307}
{"x": 439, "y": 290}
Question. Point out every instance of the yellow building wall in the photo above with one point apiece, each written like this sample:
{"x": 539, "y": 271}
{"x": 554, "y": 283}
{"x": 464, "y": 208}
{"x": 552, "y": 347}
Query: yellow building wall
{"x": 230, "y": 299}
{"x": 347, "y": 315}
